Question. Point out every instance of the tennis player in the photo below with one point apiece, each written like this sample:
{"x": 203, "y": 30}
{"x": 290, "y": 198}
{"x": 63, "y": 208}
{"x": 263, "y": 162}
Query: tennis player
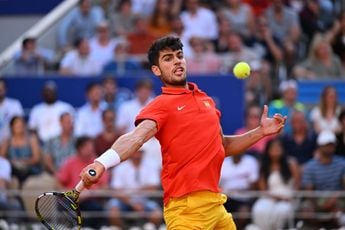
{"x": 187, "y": 124}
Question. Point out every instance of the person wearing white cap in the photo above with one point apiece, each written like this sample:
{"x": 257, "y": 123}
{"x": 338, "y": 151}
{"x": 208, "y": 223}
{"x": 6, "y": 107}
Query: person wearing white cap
{"x": 325, "y": 173}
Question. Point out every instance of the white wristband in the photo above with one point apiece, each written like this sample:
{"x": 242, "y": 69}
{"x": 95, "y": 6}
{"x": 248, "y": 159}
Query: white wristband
{"x": 109, "y": 158}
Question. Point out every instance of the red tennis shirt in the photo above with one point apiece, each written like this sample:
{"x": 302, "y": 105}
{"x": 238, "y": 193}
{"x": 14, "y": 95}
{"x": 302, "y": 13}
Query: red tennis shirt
{"x": 189, "y": 132}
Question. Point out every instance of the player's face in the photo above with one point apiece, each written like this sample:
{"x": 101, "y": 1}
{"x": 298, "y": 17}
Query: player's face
{"x": 171, "y": 68}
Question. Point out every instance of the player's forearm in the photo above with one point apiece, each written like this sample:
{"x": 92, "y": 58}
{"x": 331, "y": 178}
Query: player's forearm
{"x": 236, "y": 144}
{"x": 128, "y": 144}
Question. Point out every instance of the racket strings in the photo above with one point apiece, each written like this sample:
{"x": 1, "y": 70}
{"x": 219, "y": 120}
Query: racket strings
{"x": 57, "y": 212}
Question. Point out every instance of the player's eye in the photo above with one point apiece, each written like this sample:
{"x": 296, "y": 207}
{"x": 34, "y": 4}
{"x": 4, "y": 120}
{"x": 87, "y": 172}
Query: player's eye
{"x": 167, "y": 58}
{"x": 180, "y": 55}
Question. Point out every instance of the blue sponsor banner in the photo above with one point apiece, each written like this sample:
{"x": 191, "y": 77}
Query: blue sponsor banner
{"x": 27, "y": 7}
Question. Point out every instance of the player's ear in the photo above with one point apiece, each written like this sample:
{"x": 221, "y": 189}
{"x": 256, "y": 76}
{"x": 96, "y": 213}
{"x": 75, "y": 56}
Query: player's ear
{"x": 156, "y": 71}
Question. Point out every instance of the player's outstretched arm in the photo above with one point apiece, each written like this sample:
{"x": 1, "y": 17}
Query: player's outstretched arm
{"x": 268, "y": 125}
{"x": 120, "y": 151}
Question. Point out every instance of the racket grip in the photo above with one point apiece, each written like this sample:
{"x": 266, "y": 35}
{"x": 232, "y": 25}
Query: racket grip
{"x": 80, "y": 186}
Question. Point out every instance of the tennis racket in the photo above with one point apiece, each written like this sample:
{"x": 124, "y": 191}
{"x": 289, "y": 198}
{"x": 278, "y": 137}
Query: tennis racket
{"x": 60, "y": 210}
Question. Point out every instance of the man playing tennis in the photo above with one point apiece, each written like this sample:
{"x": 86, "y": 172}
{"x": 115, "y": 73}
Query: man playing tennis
{"x": 187, "y": 124}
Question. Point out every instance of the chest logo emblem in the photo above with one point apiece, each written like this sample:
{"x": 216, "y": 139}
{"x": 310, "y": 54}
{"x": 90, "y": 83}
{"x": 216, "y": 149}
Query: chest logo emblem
{"x": 179, "y": 108}
{"x": 207, "y": 104}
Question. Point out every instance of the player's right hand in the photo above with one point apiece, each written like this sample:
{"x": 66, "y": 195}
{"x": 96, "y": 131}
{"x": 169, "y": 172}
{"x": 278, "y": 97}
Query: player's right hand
{"x": 88, "y": 179}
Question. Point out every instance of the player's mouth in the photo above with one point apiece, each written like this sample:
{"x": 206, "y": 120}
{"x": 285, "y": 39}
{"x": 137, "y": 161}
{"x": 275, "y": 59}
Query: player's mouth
{"x": 179, "y": 71}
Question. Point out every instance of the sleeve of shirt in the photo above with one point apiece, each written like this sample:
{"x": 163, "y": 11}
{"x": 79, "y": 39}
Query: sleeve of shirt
{"x": 154, "y": 111}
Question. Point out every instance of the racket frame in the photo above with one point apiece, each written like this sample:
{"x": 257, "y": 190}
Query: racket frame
{"x": 72, "y": 196}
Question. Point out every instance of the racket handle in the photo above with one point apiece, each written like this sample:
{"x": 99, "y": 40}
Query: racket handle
{"x": 80, "y": 186}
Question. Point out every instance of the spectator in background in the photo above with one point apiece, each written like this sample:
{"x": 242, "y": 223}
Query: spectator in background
{"x": 58, "y": 148}
{"x": 128, "y": 180}
{"x": 258, "y": 88}
{"x": 44, "y": 117}
{"x": 239, "y": 173}
{"x": 140, "y": 39}
{"x": 126, "y": 117}
{"x": 178, "y": 30}
{"x": 337, "y": 34}
{"x": 284, "y": 24}
{"x": 79, "y": 61}
{"x": 122, "y": 19}
{"x": 9, "y": 107}
{"x": 258, "y": 6}
{"x": 22, "y": 150}
{"x": 240, "y": 16}
{"x": 113, "y": 95}
{"x": 88, "y": 121}
{"x": 301, "y": 142}
{"x": 81, "y": 22}
{"x": 203, "y": 59}
{"x": 199, "y": 21}
{"x": 252, "y": 119}
{"x": 159, "y": 22}
{"x": 325, "y": 173}
{"x": 340, "y": 147}
{"x": 224, "y": 29}
{"x": 129, "y": 109}
{"x": 121, "y": 62}
{"x": 68, "y": 177}
{"x": 102, "y": 44}
{"x": 279, "y": 176}
{"x": 287, "y": 104}
{"x": 143, "y": 7}
{"x": 324, "y": 116}
{"x": 7, "y": 203}
{"x": 237, "y": 52}
{"x": 321, "y": 62}
{"x": 32, "y": 60}
{"x": 311, "y": 21}
{"x": 267, "y": 45}
{"x": 109, "y": 134}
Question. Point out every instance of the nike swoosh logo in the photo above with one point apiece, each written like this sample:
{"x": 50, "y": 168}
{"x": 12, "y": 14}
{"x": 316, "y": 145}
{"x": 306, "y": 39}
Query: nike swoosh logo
{"x": 179, "y": 108}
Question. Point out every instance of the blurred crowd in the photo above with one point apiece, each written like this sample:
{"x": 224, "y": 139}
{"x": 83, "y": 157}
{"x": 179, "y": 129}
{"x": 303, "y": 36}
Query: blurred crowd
{"x": 283, "y": 40}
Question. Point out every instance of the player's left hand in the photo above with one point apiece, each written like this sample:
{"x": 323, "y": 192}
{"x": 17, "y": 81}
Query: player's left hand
{"x": 271, "y": 125}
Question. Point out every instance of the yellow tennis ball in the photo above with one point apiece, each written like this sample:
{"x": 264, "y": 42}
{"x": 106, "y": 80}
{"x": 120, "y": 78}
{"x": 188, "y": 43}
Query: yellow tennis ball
{"x": 241, "y": 70}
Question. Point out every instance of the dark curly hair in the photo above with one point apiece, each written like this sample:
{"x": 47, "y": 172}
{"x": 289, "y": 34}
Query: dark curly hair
{"x": 165, "y": 43}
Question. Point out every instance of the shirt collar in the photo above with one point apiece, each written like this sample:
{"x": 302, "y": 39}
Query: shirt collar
{"x": 192, "y": 87}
